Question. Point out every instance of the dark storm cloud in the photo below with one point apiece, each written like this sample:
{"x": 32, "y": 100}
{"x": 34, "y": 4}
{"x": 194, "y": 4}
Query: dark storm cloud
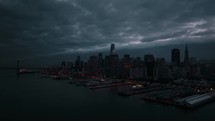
{"x": 49, "y": 27}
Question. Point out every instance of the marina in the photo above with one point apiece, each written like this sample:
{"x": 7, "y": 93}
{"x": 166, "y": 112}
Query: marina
{"x": 168, "y": 94}
{"x": 109, "y": 86}
{"x": 181, "y": 93}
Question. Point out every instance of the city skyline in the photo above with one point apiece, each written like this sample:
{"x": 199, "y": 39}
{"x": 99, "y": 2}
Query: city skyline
{"x": 113, "y": 49}
{"x": 44, "y": 30}
{"x": 80, "y": 59}
{"x": 149, "y": 67}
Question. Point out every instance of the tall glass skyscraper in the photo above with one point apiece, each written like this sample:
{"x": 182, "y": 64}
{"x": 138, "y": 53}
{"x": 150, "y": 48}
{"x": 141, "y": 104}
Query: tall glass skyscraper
{"x": 186, "y": 57}
{"x": 112, "y": 49}
{"x": 175, "y": 57}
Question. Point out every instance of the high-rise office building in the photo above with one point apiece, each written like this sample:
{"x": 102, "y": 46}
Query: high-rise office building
{"x": 186, "y": 57}
{"x": 175, "y": 57}
{"x": 92, "y": 66}
{"x": 100, "y": 56}
{"x": 149, "y": 58}
{"x": 149, "y": 65}
{"x": 78, "y": 64}
{"x": 112, "y": 49}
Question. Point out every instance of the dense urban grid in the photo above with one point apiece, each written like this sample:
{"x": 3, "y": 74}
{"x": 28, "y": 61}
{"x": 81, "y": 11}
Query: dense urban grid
{"x": 188, "y": 83}
{"x": 149, "y": 68}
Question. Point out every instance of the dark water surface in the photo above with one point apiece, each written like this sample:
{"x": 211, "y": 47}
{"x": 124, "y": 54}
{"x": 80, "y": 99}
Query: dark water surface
{"x": 30, "y": 98}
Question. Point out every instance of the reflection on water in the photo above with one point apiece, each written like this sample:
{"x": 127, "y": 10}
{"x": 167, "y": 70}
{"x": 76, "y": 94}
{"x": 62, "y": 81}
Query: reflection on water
{"x": 31, "y": 98}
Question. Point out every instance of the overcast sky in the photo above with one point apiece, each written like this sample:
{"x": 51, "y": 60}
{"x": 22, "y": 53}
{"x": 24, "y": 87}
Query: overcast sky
{"x": 40, "y": 29}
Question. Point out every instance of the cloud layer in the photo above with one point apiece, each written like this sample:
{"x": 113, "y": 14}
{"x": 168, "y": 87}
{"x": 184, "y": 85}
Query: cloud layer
{"x": 49, "y": 27}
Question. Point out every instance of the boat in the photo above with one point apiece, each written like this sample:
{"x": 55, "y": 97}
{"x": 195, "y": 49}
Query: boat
{"x": 92, "y": 83}
{"x": 26, "y": 71}
{"x": 60, "y": 77}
